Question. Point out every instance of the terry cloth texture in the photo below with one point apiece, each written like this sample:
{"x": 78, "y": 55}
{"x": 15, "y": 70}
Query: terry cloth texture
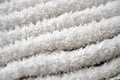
{"x": 59, "y": 39}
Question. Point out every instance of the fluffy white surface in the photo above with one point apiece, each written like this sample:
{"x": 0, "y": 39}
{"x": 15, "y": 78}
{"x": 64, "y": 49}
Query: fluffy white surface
{"x": 59, "y": 39}
{"x": 94, "y": 73}
{"x": 47, "y": 10}
{"x": 15, "y": 5}
{"x": 67, "y": 20}
{"x": 67, "y": 39}
{"x": 63, "y": 61}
